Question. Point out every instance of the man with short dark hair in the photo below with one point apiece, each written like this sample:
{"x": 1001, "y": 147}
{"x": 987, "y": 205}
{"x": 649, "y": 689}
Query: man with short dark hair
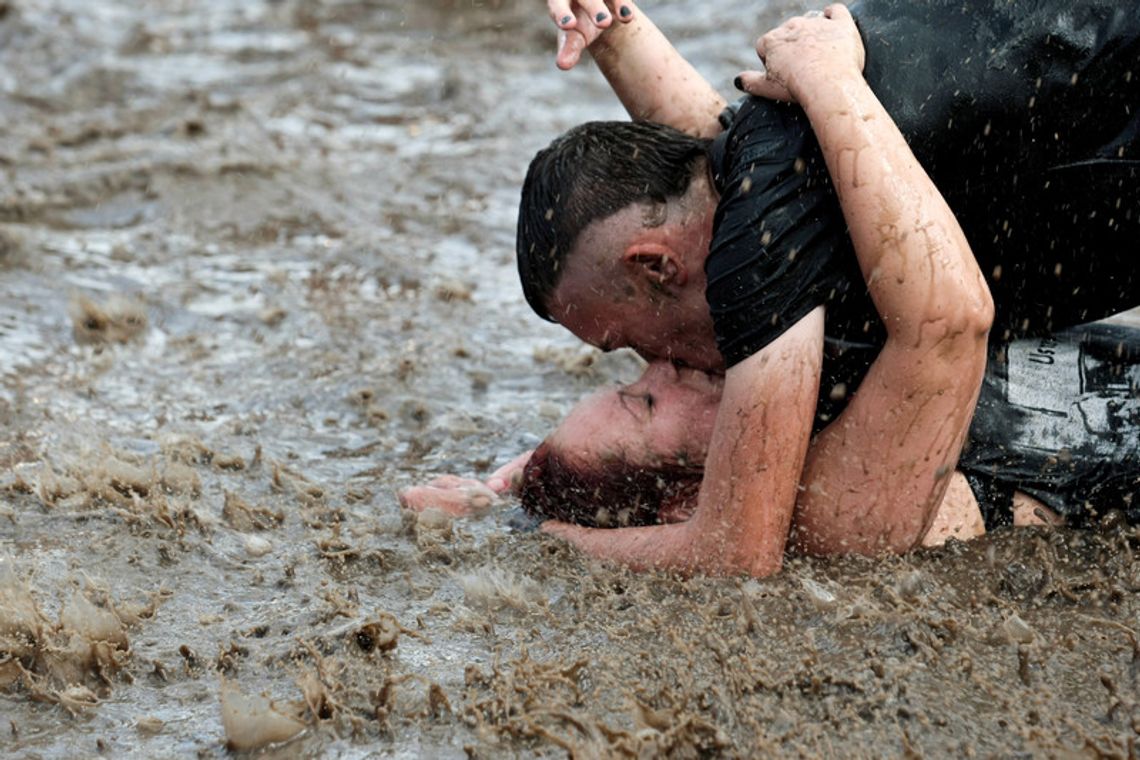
{"x": 1023, "y": 115}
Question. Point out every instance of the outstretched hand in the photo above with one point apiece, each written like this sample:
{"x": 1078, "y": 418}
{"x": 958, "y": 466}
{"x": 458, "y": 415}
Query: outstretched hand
{"x": 464, "y": 497}
{"x": 581, "y": 22}
{"x": 813, "y": 45}
{"x": 456, "y": 496}
{"x": 508, "y": 478}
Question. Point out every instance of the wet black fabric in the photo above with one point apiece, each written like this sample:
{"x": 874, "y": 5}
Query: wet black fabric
{"x": 780, "y": 246}
{"x": 1059, "y": 419}
{"x": 1025, "y": 116}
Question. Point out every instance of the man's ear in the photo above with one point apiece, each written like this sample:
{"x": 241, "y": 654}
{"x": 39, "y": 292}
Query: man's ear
{"x": 657, "y": 263}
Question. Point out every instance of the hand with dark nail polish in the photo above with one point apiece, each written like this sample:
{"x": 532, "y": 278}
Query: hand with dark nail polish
{"x": 581, "y": 23}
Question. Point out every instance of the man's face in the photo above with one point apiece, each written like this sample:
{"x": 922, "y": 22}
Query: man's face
{"x": 611, "y": 303}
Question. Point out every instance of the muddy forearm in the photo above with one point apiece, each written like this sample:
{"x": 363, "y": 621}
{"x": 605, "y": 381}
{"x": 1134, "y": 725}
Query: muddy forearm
{"x": 757, "y": 452}
{"x": 655, "y": 547}
{"x": 876, "y": 475}
{"x": 654, "y": 82}
{"x": 913, "y": 254}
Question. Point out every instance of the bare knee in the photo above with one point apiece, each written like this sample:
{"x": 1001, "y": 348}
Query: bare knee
{"x": 1028, "y": 511}
{"x": 958, "y": 515}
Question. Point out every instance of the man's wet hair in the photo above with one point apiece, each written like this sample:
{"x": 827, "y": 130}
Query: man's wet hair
{"x": 589, "y": 173}
{"x": 615, "y": 494}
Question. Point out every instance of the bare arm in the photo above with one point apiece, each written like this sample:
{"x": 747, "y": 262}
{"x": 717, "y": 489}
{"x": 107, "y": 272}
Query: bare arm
{"x": 875, "y": 477}
{"x": 646, "y": 72}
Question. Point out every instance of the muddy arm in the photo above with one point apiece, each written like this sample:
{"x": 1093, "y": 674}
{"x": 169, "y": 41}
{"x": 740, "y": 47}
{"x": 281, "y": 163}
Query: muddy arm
{"x": 646, "y": 72}
{"x": 875, "y": 477}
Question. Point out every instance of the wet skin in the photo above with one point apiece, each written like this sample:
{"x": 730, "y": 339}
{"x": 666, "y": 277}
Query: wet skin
{"x": 666, "y": 416}
{"x": 629, "y": 286}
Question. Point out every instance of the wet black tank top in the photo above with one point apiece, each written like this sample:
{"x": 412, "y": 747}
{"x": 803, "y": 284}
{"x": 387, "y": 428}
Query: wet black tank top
{"x": 1059, "y": 419}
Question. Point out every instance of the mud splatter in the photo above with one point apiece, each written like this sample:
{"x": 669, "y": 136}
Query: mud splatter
{"x": 292, "y": 225}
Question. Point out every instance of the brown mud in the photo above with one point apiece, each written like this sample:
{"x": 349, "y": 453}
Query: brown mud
{"x": 256, "y": 273}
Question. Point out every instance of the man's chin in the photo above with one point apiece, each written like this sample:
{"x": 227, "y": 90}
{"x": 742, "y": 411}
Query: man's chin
{"x": 698, "y": 359}
{"x": 703, "y": 363}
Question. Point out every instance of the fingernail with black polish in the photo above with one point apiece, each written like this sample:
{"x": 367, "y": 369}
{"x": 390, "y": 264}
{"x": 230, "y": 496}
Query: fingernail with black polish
{"x": 625, "y": 11}
{"x": 600, "y": 17}
{"x": 566, "y": 20}
{"x": 738, "y": 83}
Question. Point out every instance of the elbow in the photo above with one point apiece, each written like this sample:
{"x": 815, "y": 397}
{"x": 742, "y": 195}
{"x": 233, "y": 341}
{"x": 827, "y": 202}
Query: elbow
{"x": 969, "y": 312}
{"x": 984, "y": 300}
{"x": 955, "y": 325}
{"x": 963, "y": 330}
{"x": 959, "y": 336}
{"x": 967, "y": 306}
{"x": 979, "y": 311}
{"x": 977, "y": 303}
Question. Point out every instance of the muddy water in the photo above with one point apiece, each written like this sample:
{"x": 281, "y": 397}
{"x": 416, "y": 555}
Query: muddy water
{"x": 256, "y": 274}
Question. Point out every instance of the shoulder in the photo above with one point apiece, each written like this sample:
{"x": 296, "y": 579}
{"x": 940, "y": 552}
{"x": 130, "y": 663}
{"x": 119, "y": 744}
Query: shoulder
{"x": 764, "y": 130}
{"x": 777, "y": 232}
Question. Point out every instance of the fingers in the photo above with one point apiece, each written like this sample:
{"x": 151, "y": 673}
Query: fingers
{"x": 419, "y": 498}
{"x": 588, "y": 19}
{"x": 565, "y": 13}
{"x": 570, "y": 46}
{"x": 597, "y": 12}
{"x": 837, "y": 12}
{"x": 625, "y": 11}
{"x": 460, "y": 498}
{"x": 560, "y": 14}
{"x": 765, "y": 40}
{"x": 509, "y": 476}
{"x": 447, "y": 481}
{"x": 759, "y": 84}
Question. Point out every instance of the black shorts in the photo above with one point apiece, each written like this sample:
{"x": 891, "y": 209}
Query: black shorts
{"x": 1059, "y": 419}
